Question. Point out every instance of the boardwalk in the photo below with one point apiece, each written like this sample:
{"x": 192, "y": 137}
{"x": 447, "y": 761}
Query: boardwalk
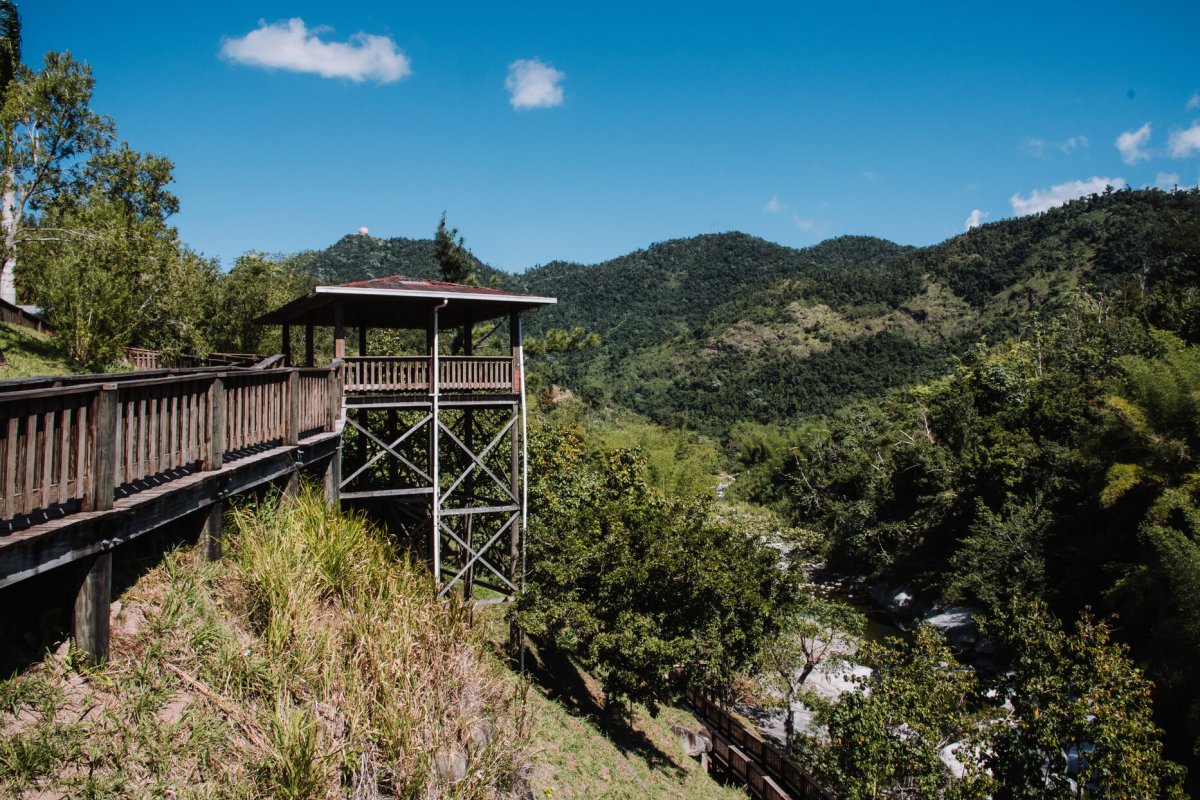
{"x": 90, "y": 462}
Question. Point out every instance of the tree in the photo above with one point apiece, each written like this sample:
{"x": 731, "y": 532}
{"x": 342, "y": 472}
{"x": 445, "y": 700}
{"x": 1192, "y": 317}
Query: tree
{"x": 644, "y": 590}
{"x": 456, "y": 261}
{"x": 47, "y": 133}
{"x": 817, "y": 633}
{"x": 10, "y": 62}
{"x": 256, "y": 284}
{"x": 886, "y": 737}
{"x": 1081, "y": 723}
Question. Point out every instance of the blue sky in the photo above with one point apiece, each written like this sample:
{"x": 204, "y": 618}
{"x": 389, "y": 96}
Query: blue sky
{"x": 581, "y": 131}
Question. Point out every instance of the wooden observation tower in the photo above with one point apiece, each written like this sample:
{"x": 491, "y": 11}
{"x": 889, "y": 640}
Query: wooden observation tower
{"x": 434, "y": 441}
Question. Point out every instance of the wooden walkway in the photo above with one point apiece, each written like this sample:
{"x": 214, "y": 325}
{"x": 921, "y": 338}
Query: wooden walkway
{"x": 765, "y": 770}
{"x": 90, "y": 462}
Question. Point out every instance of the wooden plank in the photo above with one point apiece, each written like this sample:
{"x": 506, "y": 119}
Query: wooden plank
{"x": 141, "y": 439}
{"x": 174, "y": 422}
{"x": 30, "y": 462}
{"x": 47, "y": 450}
{"x": 11, "y": 442}
{"x": 64, "y": 455}
{"x": 83, "y": 440}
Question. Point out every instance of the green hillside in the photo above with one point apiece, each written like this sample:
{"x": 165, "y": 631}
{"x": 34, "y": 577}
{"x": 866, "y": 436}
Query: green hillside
{"x": 359, "y": 258}
{"x": 25, "y": 353}
{"x": 808, "y": 331}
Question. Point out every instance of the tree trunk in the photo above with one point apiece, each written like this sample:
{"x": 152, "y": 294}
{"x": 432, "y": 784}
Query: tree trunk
{"x": 9, "y": 221}
{"x": 789, "y": 722}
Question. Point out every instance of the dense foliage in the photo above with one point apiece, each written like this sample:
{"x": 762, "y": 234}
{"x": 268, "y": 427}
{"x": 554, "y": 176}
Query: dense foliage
{"x": 646, "y": 590}
{"x": 1057, "y": 464}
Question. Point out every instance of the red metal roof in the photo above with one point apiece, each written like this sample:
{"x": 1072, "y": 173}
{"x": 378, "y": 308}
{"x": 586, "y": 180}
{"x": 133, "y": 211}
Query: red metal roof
{"x": 403, "y": 282}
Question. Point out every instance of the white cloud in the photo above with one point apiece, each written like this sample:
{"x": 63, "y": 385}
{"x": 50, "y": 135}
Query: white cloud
{"x": 533, "y": 84}
{"x": 975, "y": 219}
{"x": 292, "y": 46}
{"x": 1131, "y": 144}
{"x": 1183, "y": 143}
{"x": 1073, "y": 143}
{"x": 1043, "y": 199}
{"x": 773, "y": 205}
{"x": 1166, "y": 180}
{"x": 804, "y": 224}
{"x": 1194, "y": 102}
{"x": 1038, "y": 147}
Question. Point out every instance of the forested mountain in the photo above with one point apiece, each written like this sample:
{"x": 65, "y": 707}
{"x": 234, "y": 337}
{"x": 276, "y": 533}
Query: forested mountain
{"x": 713, "y": 329}
{"x": 359, "y": 258}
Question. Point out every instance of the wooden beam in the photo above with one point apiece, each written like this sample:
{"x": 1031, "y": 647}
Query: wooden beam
{"x": 104, "y": 450}
{"x": 339, "y": 331}
{"x": 291, "y": 434}
{"x": 89, "y": 622}
{"x": 308, "y": 344}
{"x": 285, "y": 344}
{"x": 216, "y": 424}
{"x": 362, "y": 340}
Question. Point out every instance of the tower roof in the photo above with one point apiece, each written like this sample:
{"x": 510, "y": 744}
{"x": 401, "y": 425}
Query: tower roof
{"x": 397, "y": 301}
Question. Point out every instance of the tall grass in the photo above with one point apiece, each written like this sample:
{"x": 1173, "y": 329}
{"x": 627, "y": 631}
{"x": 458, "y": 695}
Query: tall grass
{"x": 402, "y": 694}
{"x": 312, "y": 663}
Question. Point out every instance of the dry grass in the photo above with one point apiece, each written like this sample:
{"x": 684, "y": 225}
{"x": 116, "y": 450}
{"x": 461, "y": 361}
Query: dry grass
{"x": 311, "y": 663}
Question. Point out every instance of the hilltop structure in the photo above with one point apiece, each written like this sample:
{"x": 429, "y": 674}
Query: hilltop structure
{"x": 424, "y": 442}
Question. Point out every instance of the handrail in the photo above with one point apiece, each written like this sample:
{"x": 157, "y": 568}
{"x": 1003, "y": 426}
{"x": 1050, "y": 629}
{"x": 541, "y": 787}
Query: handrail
{"x": 761, "y": 764}
{"x": 73, "y": 448}
{"x": 413, "y": 374}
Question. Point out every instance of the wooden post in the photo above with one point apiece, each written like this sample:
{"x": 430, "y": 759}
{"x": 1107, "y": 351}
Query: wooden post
{"x": 308, "y": 344}
{"x": 291, "y": 434}
{"x": 104, "y": 450}
{"x": 216, "y": 420}
{"x": 333, "y": 477}
{"x": 285, "y": 345}
{"x": 89, "y": 623}
{"x": 362, "y": 340}
{"x": 339, "y": 332}
{"x": 210, "y": 533}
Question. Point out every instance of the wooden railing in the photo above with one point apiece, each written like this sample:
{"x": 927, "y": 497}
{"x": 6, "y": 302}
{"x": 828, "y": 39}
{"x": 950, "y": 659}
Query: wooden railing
{"x": 412, "y": 374}
{"x": 766, "y": 770}
{"x": 141, "y": 359}
{"x": 47, "y": 450}
{"x": 162, "y": 425}
{"x": 15, "y": 315}
{"x": 73, "y": 448}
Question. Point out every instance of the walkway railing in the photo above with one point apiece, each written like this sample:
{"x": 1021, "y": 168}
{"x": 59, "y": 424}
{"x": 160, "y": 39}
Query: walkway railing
{"x": 412, "y": 374}
{"x": 767, "y": 771}
{"x": 65, "y": 449}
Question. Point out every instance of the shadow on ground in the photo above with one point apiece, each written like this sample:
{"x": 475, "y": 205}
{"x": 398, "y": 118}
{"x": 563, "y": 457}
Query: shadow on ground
{"x": 561, "y": 680}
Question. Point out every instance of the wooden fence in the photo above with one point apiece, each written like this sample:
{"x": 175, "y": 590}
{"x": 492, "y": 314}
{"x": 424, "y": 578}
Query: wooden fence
{"x": 412, "y": 374}
{"x": 74, "y": 448}
{"x": 766, "y": 770}
{"x": 15, "y": 315}
{"x": 142, "y": 359}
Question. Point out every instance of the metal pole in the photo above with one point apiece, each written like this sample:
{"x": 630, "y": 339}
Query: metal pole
{"x": 435, "y": 472}
{"x": 524, "y": 469}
